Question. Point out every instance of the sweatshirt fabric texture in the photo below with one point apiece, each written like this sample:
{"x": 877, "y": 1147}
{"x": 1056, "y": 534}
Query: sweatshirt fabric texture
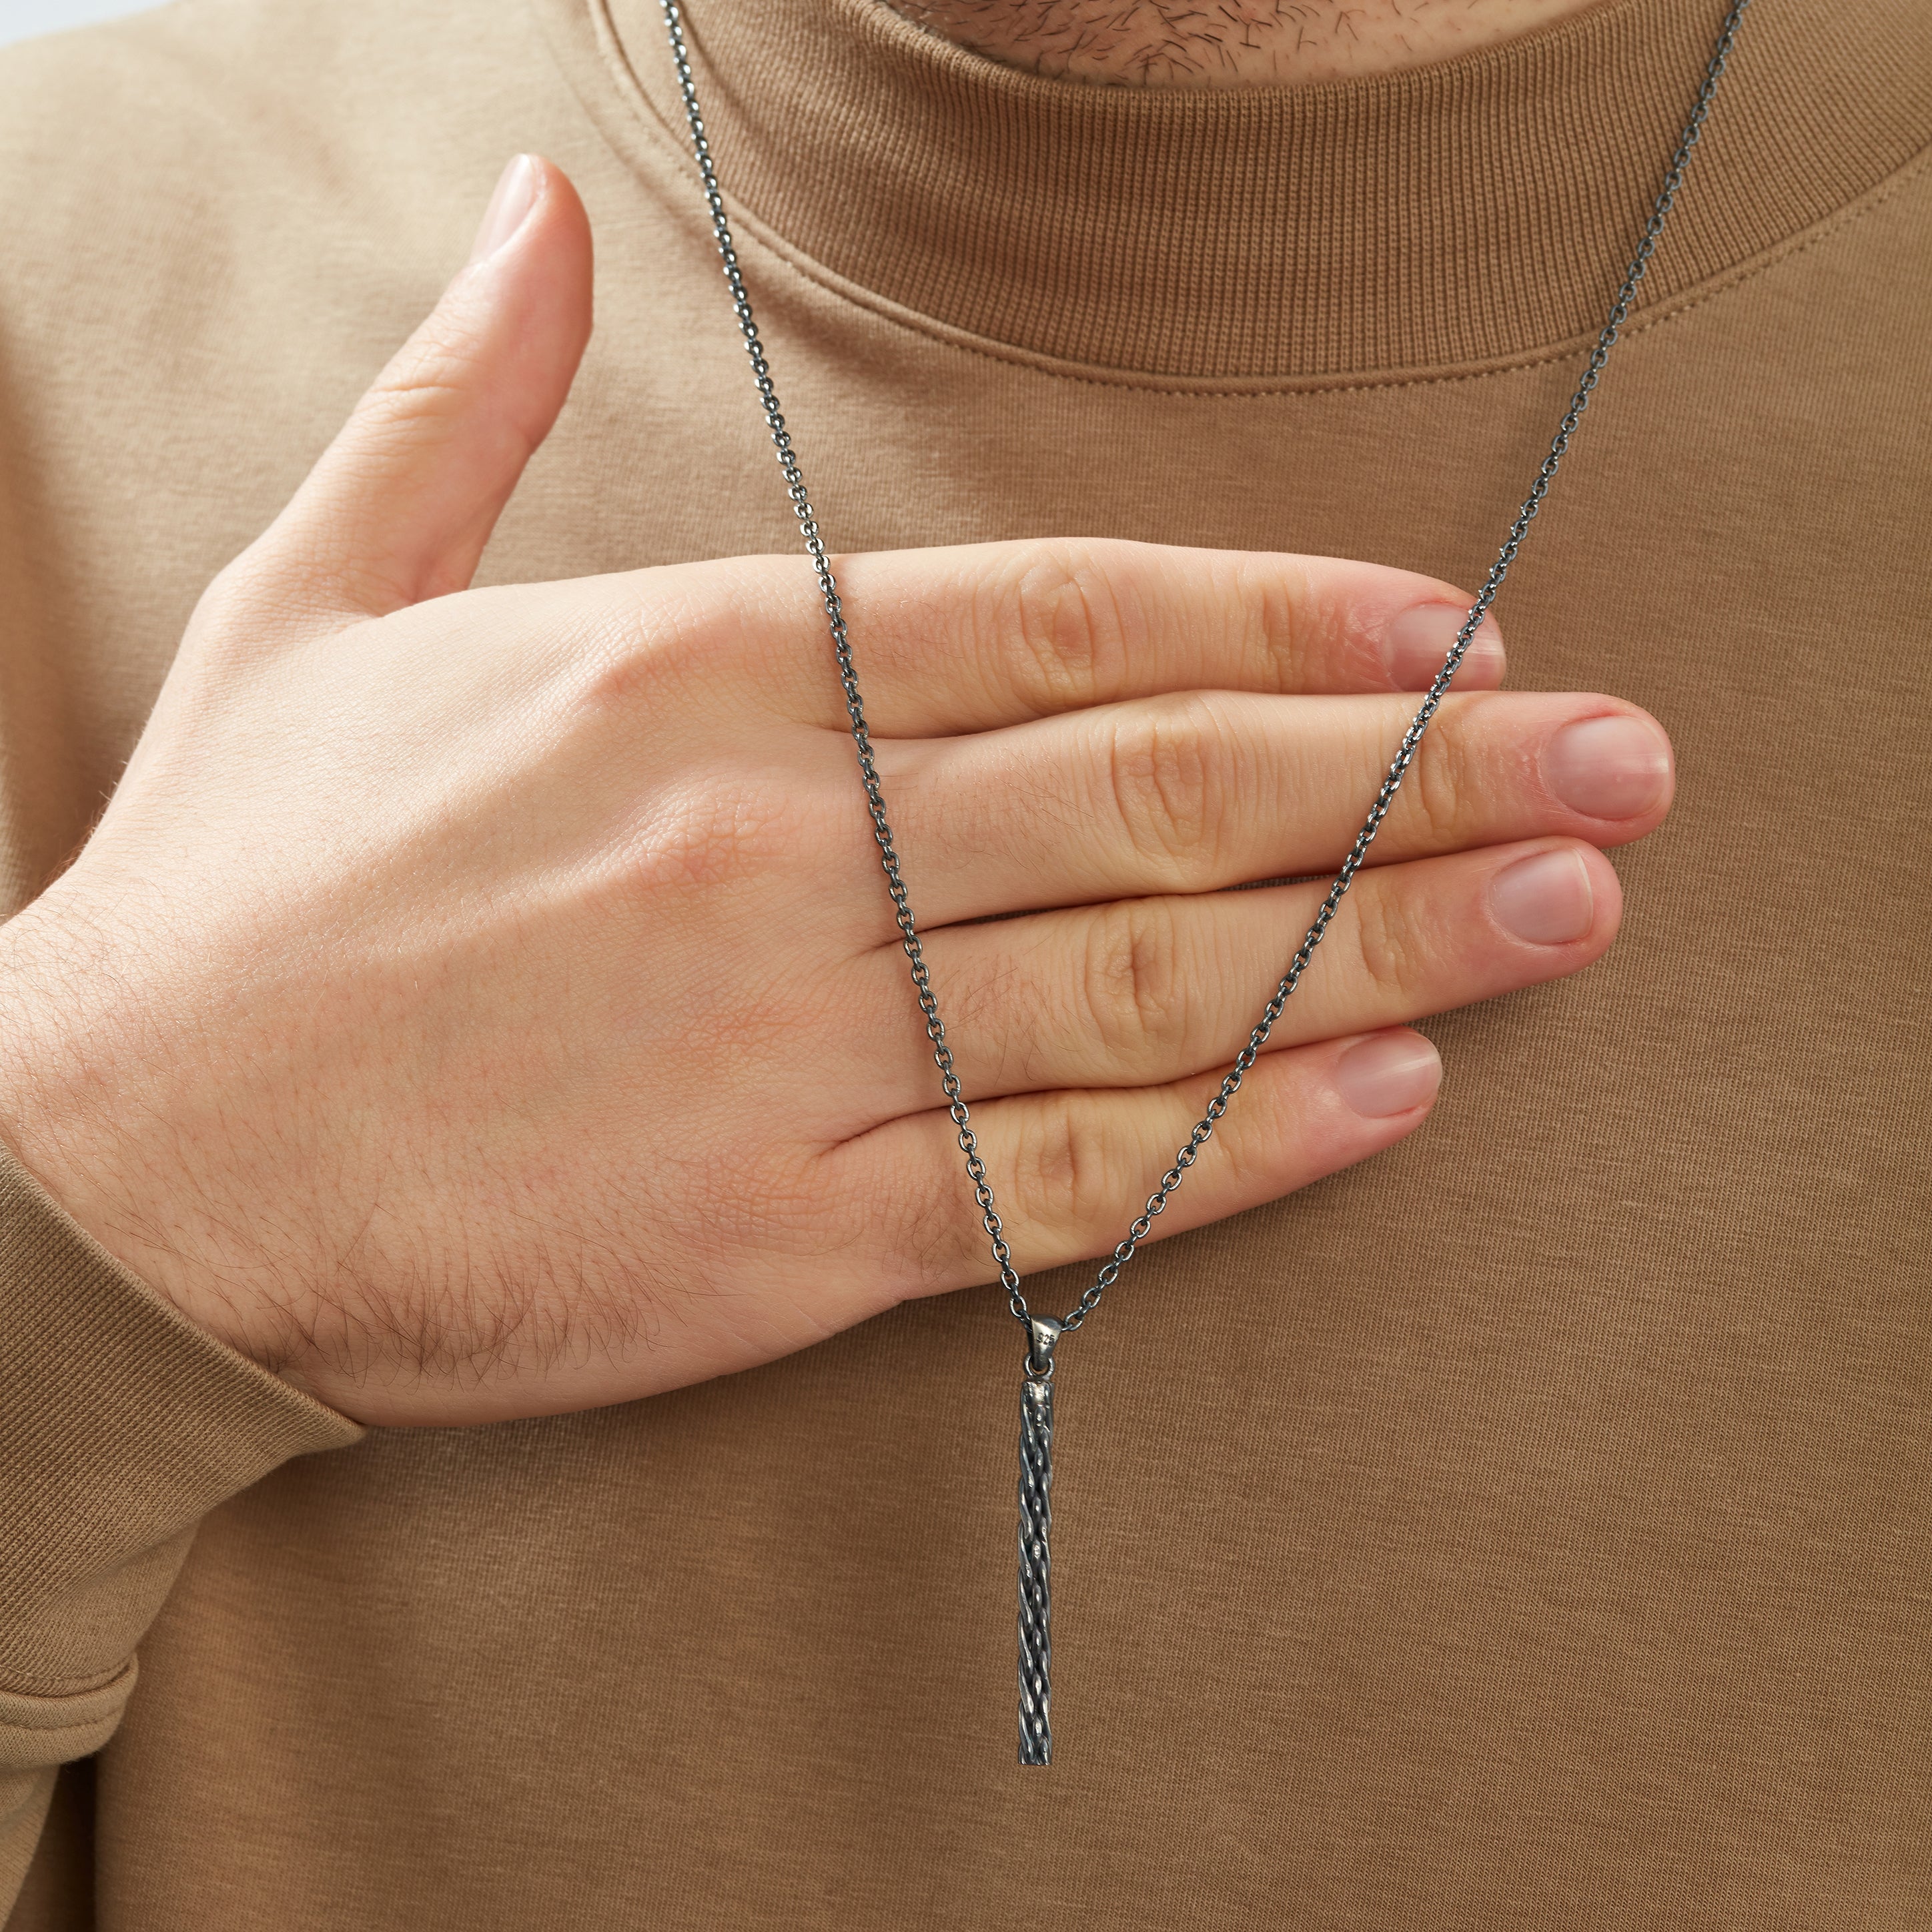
{"x": 1528, "y": 1527}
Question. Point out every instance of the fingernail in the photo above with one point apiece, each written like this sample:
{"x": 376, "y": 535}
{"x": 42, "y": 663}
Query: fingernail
{"x": 1608, "y": 767}
{"x": 1389, "y": 1074}
{"x": 1546, "y": 899}
{"x": 1415, "y": 644}
{"x": 509, "y": 207}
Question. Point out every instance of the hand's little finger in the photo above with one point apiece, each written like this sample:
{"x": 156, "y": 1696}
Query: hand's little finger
{"x": 1071, "y": 1169}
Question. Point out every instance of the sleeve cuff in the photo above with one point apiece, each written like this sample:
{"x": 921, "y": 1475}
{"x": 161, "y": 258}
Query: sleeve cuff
{"x": 122, "y": 1424}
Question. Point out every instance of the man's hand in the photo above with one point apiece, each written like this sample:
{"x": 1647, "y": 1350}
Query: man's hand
{"x": 485, "y": 1002}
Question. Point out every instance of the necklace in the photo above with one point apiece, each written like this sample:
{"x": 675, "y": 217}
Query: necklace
{"x": 1042, "y": 1331}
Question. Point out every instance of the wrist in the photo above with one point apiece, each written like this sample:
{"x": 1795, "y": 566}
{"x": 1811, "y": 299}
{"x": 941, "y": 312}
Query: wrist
{"x": 81, "y": 1111}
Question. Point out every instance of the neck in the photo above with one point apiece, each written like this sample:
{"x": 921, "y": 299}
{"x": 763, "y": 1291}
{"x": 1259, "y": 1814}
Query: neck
{"x": 1184, "y": 44}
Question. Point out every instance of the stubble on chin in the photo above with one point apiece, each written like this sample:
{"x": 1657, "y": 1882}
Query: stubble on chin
{"x": 1213, "y": 44}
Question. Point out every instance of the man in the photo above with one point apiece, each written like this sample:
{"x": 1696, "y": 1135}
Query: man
{"x": 481, "y": 1009}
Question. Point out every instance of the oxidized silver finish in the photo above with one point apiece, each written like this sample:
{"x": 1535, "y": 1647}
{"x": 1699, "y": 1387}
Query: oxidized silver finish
{"x": 1036, "y": 1539}
{"x": 1037, "y": 1409}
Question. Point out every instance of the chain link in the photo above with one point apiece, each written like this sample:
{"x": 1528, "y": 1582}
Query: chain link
{"x": 855, "y": 709}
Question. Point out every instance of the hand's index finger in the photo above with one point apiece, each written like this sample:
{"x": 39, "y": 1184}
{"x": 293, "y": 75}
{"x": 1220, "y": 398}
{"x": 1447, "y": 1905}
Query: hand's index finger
{"x": 971, "y": 636}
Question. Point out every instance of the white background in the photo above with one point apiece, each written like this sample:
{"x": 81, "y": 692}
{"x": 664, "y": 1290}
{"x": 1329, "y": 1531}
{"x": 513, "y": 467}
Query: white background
{"x": 20, "y": 18}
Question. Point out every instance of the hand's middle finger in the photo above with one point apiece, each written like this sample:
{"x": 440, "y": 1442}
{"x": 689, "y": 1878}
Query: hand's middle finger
{"x": 1218, "y": 788}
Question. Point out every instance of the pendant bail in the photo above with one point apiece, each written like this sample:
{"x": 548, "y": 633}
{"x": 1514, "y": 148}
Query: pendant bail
{"x": 1042, "y": 1332}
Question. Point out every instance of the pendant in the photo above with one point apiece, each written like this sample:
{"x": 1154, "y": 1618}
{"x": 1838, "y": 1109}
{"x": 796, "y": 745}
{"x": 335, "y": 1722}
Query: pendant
{"x": 1035, "y": 1532}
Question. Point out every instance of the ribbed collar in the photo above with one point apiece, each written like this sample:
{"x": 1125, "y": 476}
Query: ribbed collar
{"x": 1453, "y": 216}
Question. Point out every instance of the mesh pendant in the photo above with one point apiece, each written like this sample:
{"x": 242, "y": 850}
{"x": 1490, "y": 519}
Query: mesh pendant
{"x": 1036, "y": 1536}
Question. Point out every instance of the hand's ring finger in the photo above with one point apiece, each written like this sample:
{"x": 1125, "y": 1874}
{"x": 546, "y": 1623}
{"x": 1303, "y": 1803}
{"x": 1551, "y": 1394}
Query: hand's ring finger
{"x": 1143, "y": 992}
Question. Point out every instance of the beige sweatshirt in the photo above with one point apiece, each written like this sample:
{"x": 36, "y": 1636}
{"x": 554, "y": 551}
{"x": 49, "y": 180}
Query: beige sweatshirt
{"x": 1530, "y": 1527}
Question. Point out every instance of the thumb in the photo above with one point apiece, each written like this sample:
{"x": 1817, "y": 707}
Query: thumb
{"x": 400, "y": 505}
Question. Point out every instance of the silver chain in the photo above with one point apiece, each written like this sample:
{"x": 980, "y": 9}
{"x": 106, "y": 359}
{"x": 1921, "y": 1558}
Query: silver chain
{"x": 855, "y": 708}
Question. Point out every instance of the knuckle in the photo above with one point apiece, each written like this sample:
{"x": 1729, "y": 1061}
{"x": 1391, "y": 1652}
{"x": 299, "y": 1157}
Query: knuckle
{"x": 1062, "y": 1175}
{"x": 1391, "y": 948}
{"x": 432, "y": 378}
{"x": 713, "y": 831}
{"x": 397, "y": 407}
{"x": 676, "y": 635}
{"x": 276, "y": 590}
{"x": 1442, "y": 781}
{"x": 1132, "y": 983}
{"x": 235, "y": 600}
{"x": 1276, "y": 597}
{"x": 1164, "y": 760}
{"x": 1062, "y": 615}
